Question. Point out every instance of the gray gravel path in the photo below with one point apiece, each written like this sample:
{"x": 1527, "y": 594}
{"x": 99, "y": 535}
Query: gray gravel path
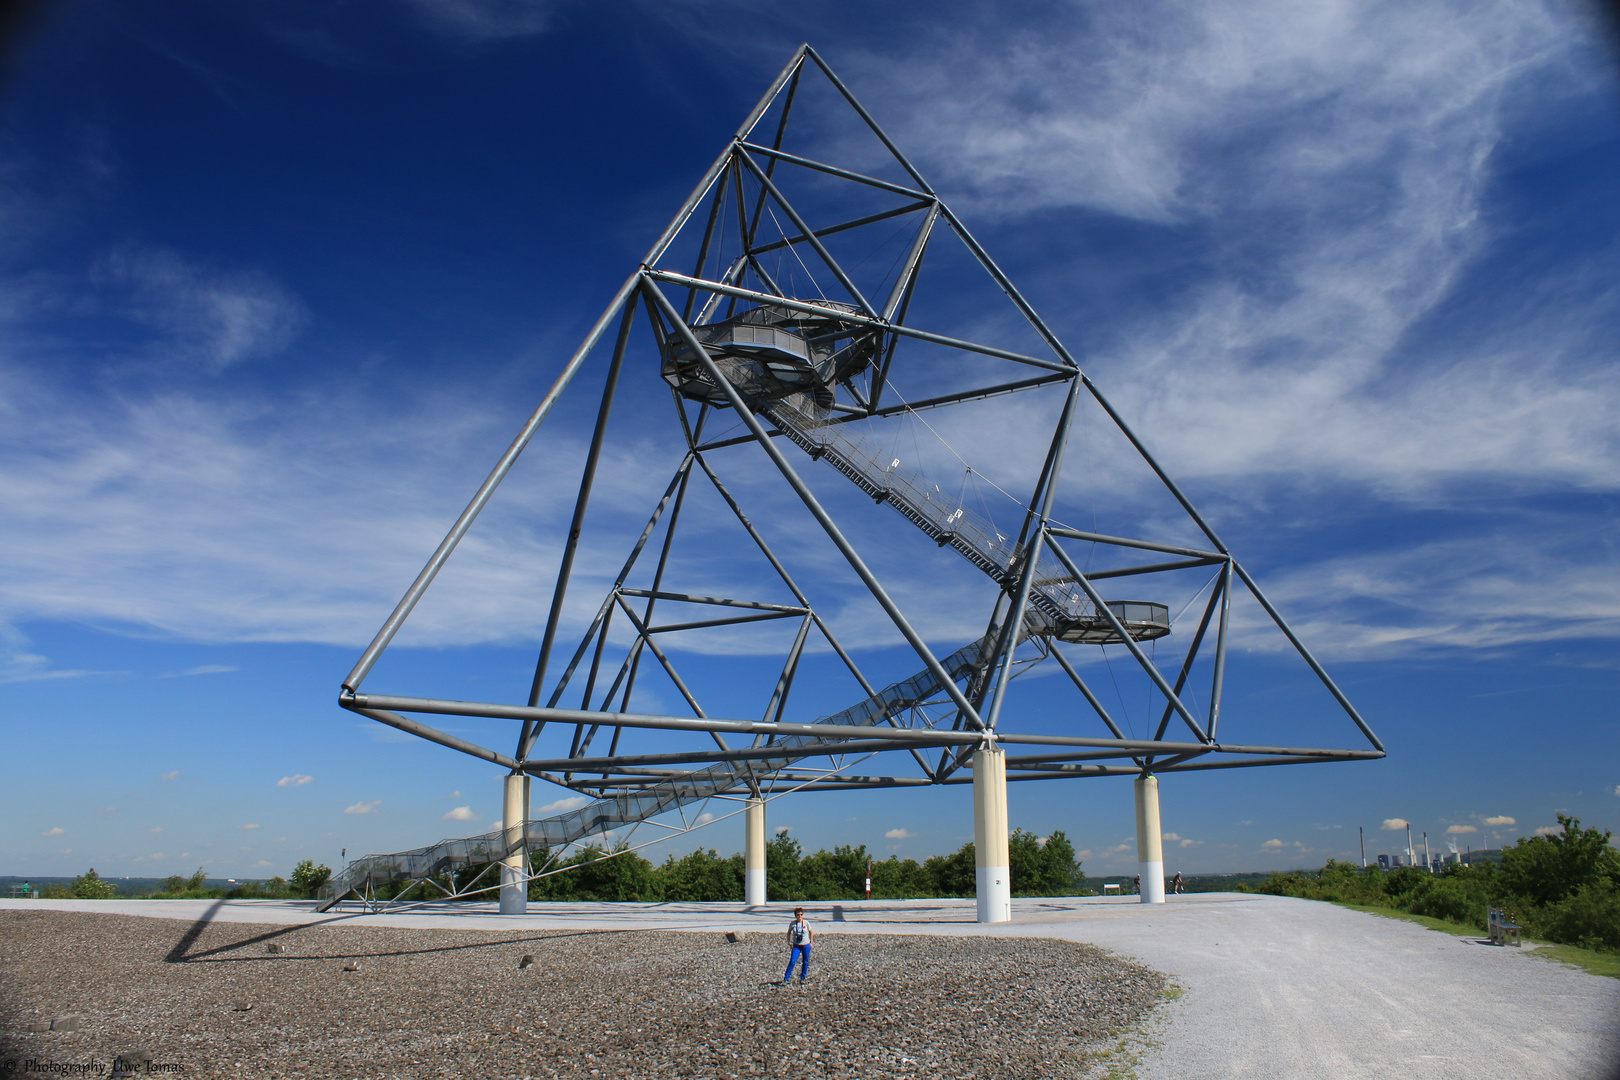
{"x": 1272, "y": 987}
{"x": 346, "y": 1000}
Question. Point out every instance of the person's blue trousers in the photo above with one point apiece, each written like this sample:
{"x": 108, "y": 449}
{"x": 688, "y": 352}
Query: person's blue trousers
{"x": 804, "y": 964}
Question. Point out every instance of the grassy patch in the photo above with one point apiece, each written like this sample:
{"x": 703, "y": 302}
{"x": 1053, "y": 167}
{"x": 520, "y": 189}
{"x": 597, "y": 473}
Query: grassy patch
{"x": 1422, "y": 920}
{"x": 1588, "y": 960}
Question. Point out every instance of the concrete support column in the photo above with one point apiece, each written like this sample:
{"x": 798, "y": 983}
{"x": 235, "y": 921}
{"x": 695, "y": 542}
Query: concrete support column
{"x": 514, "y": 868}
{"x": 1149, "y": 840}
{"x": 754, "y": 852}
{"x": 994, "y": 871}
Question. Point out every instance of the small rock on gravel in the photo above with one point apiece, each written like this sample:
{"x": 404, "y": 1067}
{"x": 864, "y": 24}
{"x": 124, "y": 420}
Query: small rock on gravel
{"x": 632, "y": 1005}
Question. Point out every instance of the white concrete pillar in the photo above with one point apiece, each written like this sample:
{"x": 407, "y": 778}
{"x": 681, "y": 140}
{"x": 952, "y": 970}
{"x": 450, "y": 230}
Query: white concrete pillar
{"x": 1149, "y": 840}
{"x": 754, "y": 852}
{"x": 514, "y": 868}
{"x": 994, "y": 871}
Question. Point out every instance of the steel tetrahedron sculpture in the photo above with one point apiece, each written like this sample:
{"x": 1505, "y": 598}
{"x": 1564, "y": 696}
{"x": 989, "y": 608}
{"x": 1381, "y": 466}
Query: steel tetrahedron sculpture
{"x": 781, "y": 344}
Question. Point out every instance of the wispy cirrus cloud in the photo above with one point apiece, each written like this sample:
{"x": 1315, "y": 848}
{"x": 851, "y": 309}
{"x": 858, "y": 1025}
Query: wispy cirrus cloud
{"x": 1328, "y": 175}
{"x": 482, "y": 20}
{"x": 218, "y": 318}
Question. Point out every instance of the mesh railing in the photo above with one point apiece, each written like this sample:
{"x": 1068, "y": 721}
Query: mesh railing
{"x": 1057, "y": 606}
{"x": 367, "y": 874}
{"x": 942, "y": 516}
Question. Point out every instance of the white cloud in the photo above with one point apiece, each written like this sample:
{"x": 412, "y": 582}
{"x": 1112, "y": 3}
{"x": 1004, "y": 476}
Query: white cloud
{"x": 1347, "y": 147}
{"x": 56, "y": 831}
{"x": 209, "y": 518}
{"x": 898, "y": 834}
{"x": 211, "y": 669}
{"x": 249, "y": 826}
{"x": 1273, "y": 843}
{"x": 461, "y": 813}
{"x": 1500, "y": 820}
{"x": 295, "y": 780}
{"x": 782, "y": 830}
{"x": 455, "y": 794}
{"x": 363, "y": 807}
{"x": 1339, "y": 163}
{"x": 486, "y": 19}
{"x": 156, "y": 829}
{"x": 562, "y": 806}
{"x": 1617, "y": 789}
{"x": 1548, "y": 830}
{"x": 170, "y": 775}
{"x": 1395, "y": 824}
{"x": 1458, "y": 830}
{"x": 1190, "y": 843}
{"x": 19, "y": 663}
{"x": 1533, "y": 580}
{"x": 216, "y": 318}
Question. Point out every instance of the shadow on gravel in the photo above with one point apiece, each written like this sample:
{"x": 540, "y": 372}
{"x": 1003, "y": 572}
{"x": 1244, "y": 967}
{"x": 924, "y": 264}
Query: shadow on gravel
{"x": 178, "y": 954}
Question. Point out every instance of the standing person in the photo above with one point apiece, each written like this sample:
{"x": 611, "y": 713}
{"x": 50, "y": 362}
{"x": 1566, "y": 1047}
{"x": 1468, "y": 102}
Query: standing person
{"x": 1176, "y": 881}
{"x": 1136, "y": 885}
{"x": 800, "y": 938}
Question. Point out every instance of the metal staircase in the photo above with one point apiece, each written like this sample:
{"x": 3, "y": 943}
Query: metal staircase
{"x": 1056, "y": 605}
{"x": 1056, "y": 608}
{"x": 364, "y": 876}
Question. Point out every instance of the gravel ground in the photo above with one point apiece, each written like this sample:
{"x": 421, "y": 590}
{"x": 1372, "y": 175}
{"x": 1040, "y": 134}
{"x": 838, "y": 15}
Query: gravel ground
{"x": 212, "y": 999}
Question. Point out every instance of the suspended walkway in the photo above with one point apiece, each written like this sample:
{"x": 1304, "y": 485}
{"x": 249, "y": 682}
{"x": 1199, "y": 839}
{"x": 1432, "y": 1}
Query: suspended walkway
{"x": 1057, "y": 608}
{"x": 364, "y": 877}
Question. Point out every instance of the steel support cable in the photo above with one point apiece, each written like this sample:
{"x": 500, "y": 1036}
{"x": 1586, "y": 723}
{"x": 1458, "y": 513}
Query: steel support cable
{"x": 873, "y": 586}
{"x": 796, "y": 256}
{"x": 911, "y": 413}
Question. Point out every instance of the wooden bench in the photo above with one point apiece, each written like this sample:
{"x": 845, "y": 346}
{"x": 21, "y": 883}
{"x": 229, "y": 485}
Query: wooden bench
{"x": 1501, "y": 928}
{"x": 1111, "y": 887}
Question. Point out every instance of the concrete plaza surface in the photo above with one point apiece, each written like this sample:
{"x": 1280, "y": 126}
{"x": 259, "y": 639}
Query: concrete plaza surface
{"x": 1273, "y": 987}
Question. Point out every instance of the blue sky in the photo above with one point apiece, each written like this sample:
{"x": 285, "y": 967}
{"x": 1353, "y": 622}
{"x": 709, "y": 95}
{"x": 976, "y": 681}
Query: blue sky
{"x": 279, "y": 282}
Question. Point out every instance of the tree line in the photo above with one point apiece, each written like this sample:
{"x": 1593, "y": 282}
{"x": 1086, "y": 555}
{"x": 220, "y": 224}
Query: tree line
{"x": 595, "y": 873}
{"x": 1563, "y": 888}
{"x": 307, "y": 879}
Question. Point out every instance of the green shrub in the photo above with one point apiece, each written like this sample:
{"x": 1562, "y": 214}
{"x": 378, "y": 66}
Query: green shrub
{"x": 89, "y": 886}
{"x": 1548, "y": 869}
{"x": 1563, "y": 888}
{"x": 1453, "y": 899}
{"x": 701, "y": 876}
{"x": 307, "y": 878}
{"x": 1590, "y": 918}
